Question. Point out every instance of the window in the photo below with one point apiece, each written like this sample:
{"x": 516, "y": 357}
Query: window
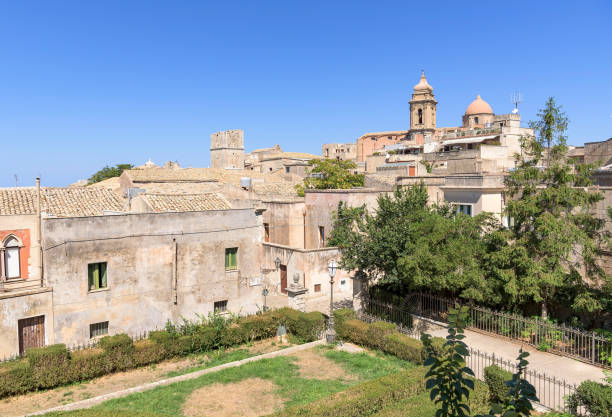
{"x": 470, "y": 146}
{"x": 96, "y": 274}
{"x": 476, "y": 120}
{"x": 12, "y": 258}
{"x": 231, "y": 259}
{"x": 287, "y": 169}
{"x": 317, "y": 288}
{"x": 463, "y": 208}
{"x": 420, "y": 116}
{"x": 98, "y": 329}
{"x": 220, "y": 306}
{"x": 266, "y": 232}
{"x": 321, "y": 236}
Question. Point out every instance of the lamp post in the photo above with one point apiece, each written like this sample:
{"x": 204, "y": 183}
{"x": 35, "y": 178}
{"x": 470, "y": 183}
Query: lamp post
{"x": 331, "y": 333}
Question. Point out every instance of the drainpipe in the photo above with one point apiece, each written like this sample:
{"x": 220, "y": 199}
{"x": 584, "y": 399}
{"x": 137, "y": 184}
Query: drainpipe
{"x": 39, "y": 231}
{"x": 304, "y": 214}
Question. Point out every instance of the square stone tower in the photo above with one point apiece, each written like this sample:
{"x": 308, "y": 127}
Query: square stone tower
{"x": 227, "y": 149}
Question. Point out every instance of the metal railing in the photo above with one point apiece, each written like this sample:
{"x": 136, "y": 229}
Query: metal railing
{"x": 549, "y": 337}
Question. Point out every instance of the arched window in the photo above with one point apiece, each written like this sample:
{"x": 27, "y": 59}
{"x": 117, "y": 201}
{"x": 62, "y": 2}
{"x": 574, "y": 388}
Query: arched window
{"x": 11, "y": 258}
{"x": 420, "y": 116}
{"x": 476, "y": 120}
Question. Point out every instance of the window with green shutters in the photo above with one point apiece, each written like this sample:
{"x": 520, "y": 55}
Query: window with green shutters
{"x": 231, "y": 259}
{"x": 96, "y": 274}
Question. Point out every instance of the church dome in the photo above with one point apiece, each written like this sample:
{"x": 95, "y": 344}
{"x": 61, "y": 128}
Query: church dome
{"x": 423, "y": 84}
{"x": 479, "y": 106}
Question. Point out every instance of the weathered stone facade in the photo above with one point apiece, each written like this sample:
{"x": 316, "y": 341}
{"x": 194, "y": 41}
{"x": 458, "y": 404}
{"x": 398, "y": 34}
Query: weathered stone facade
{"x": 227, "y": 149}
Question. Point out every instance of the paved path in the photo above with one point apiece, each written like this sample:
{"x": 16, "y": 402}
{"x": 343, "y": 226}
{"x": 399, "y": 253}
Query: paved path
{"x": 568, "y": 369}
{"x": 90, "y": 402}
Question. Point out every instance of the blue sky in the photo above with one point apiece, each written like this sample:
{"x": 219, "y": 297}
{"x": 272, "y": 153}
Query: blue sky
{"x": 89, "y": 83}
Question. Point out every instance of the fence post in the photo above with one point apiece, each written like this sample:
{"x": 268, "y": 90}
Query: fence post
{"x": 593, "y": 347}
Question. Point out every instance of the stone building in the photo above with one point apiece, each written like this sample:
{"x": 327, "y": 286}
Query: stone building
{"x": 340, "y": 151}
{"x": 227, "y": 149}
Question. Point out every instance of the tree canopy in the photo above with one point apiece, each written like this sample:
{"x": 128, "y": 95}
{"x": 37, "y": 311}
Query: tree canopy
{"x": 109, "y": 172}
{"x": 325, "y": 174}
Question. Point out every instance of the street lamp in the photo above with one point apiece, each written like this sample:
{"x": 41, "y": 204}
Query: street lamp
{"x": 331, "y": 333}
{"x": 277, "y": 262}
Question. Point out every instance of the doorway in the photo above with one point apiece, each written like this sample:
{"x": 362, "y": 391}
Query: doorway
{"x": 31, "y": 333}
{"x": 283, "y": 278}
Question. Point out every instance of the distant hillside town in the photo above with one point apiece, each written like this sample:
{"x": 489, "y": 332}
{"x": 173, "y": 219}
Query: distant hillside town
{"x": 158, "y": 243}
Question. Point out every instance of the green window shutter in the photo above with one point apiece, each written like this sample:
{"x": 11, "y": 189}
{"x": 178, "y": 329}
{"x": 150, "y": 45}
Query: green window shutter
{"x": 231, "y": 258}
{"x": 235, "y": 258}
{"x": 90, "y": 276}
{"x": 227, "y": 258}
{"x": 103, "y": 275}
{"x": 96, "y": 276}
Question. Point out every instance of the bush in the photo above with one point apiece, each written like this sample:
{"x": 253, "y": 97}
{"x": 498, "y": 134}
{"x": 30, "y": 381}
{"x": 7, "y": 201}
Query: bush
{"x": 118, "y": 352}
{"x": 436, "y": 349}
{"x": 363, "y": 399}
{"x": 259, "y": 326}
{"x": 16, "y": 378}
{"x": 168, "y": 341}
{"x": 146, "y": 352}
{"x": 356, "y": 331}
{"x": 206, "y": 338}
{"x": 87, "y": 364}
{"x": 376, "y": 333}
{"x": 49, "y": 365}
{"x": 233, "y": 335}
{"x": 340, "y": 317}
{"x": 595, "y": 397}
{"x": 496, "y": 378}
{"x": 305, "y": 326}
{"x": 404, "y": 347}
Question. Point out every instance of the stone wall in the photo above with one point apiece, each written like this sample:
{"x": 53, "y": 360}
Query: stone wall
{"x": 159, "y": 267}
{"x": 227, "y": 149}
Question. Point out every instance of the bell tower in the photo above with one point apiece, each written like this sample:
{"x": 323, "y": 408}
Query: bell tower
{"x": 422, "y": 111}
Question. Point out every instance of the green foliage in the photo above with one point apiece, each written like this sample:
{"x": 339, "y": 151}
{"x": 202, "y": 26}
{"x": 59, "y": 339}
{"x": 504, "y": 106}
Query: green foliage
{"x": 496, "y": 378}
{"x": 554, "y": 235}
{"x": 407, "y": 244}
{"x": 363, "y": 399}
{"x": 517, "y": 403}
{"x": 341, "y": 315}
{"x": 327, "y": 174}
{"x": 356, "y": 331}
{"x": 109, "y": 172}
{"x": 377, "y": 332}
{"x": 102, "y": 413}
{"x": 596, "y": 398}
{"x": 448, "y": 379}
{"x": 404, "y": 347}
{"x": 52, "y": 366}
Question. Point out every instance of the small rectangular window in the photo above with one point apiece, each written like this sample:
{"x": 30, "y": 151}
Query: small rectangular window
{"x": 220, "y": 306}
{"x": 98, "y": 329}
{"x": 463, "y": 208}
{"x": 321, "y": 236}
{"x": 96, "y": 276}
{"x": 287, "y": 169}
{"x": 266, "y": 232}
{"x": 317, "y": 288}
{"x": 231, "y": 259}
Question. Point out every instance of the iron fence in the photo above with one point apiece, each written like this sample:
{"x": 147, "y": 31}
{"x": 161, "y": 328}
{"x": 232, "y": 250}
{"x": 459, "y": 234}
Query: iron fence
{"x": 543, "y": 335}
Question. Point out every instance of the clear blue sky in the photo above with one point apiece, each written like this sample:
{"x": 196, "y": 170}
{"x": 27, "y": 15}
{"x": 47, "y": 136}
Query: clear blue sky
{"x": 89, "y": 83}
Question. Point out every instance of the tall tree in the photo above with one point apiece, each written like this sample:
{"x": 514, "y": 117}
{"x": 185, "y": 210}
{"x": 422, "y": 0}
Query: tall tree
{"x": 331, "y": 174}
{"x": 554, "y": 237}
{"x": 109, "y": 172}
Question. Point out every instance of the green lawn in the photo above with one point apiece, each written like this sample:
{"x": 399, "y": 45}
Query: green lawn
{"x": 282, "y": 371}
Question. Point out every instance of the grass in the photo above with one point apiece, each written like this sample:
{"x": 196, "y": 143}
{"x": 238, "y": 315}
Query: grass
{"x": 216, "y": 358}
{"x": 282, "y": 371}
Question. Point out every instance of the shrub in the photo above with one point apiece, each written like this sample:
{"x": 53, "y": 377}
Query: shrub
{"x": 305, "y": 326}
{"x": 168, "y": 341}
{"x": 87, "y": 364}
{"x": 479, "y": 398}
{"x": 16, "y": 378}
{"x": 118, "y": 352}
{"x": 363, "y": 399}
{"x": 496, "y": 378}
{"x": 233, "y": 335}
{"x": 376, "y": 333}
{"x": 340, "y": 317}
{"x": 404, "y": 347}
{"x": 595, "y": 397}
{"x": 49, "y": 365}
{"x": 206, "y": 338}
{"x": 435, "y": 349}
{"x": 259, "y": 326}
{"x": 146, "y": 352}
{"x": 356, "y": 331}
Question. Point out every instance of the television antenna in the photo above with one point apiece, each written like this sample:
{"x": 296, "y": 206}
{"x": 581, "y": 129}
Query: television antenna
{"x": 516, "y": 99}
{"x": 16, "y": 180}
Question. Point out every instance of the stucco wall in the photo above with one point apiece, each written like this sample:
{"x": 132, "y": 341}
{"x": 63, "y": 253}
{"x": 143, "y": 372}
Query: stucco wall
{"x": 141, "y": 268}
{"x": 286, "y": 220}
{"x": 25, "y": 228}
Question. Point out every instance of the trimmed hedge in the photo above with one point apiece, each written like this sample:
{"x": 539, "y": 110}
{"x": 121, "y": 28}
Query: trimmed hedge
{"x": 496, "y": 378}
{"x": 53, "y": 365}
{"x": 364, "y": 399}
{"x": 404, "y": 347}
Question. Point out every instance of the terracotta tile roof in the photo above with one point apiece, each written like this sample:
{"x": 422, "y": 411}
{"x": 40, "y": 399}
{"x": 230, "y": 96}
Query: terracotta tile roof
{"x": 197, "y": 175}
{"x": 185, "y": 202}
{"x": 60, "y": 202}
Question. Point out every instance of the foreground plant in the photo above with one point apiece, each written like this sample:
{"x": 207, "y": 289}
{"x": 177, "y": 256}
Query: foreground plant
{"x": 449, "y": 379}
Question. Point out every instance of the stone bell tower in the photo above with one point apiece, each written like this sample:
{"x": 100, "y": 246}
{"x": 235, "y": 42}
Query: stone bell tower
{"x": 422, "y": 111}
{"x": 227, "y": 149}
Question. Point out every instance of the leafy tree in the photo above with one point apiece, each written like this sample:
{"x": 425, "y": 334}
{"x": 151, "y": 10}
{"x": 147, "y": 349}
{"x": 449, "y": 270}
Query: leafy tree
{"x": 109, "y": 172}
{"x": 449, "y": 379}
{"x": 327, "y": 174}
{"x": 554, "y": 237}
{"x": 407, "y": 244}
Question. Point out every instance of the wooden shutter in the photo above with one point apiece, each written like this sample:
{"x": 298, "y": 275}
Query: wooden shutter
{"x": 103, "y": 275}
